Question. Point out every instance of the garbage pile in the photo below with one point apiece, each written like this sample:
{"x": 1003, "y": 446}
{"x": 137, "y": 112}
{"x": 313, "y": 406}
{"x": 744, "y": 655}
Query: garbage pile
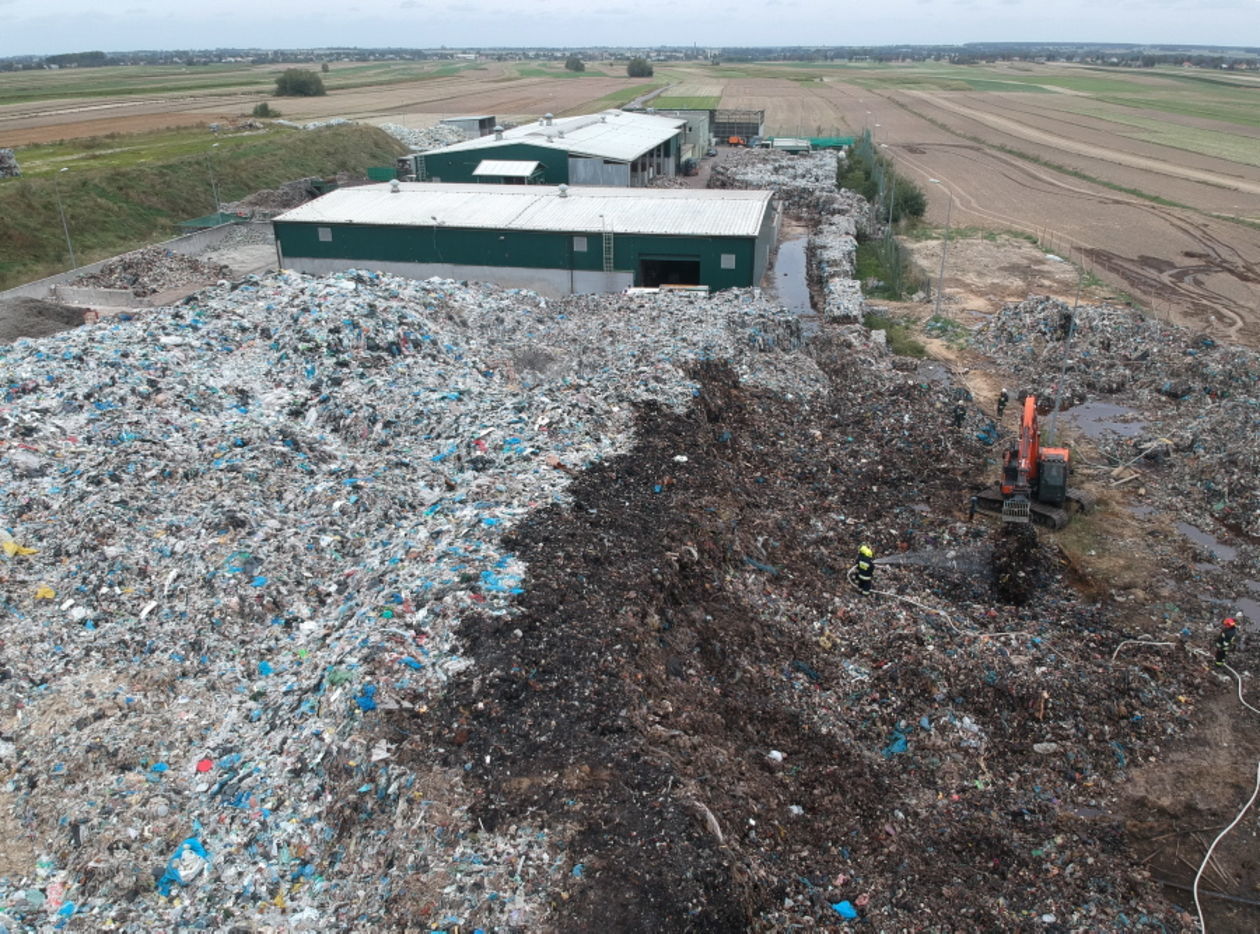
{"x": 433, "y": 137}
{"x": 152, "y": 270}
{"x": 833, "y": 246}
{"x": 314, "y": 124}
{"x": 240, "y": 532}
{"x": 9, "y": 165}
{"x": 806, "y": 184}
{"x": 270, "y": 201}
{"x": 1200, "y": 398}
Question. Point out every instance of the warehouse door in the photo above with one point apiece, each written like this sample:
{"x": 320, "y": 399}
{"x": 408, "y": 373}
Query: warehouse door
{"x": 668, "y": 270}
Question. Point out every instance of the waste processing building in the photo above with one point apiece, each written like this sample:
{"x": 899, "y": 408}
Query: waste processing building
{"x": 555, "y": 240}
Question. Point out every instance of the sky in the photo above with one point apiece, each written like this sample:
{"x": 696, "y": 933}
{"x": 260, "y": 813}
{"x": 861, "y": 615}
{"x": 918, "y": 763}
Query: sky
{"x": 42, "y": 27}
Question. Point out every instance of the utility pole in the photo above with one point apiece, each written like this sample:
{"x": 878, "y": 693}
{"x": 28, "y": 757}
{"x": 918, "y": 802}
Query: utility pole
{"x": 940, "y": 276}
{"x": 74, "y": 264}
{"x": 214, "y": 188}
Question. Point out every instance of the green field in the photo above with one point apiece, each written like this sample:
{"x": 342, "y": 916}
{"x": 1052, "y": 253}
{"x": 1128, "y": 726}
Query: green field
{"x": 686, "y": 103}
{"x": 19, "y": 87}
{"x": 111, "y": 208}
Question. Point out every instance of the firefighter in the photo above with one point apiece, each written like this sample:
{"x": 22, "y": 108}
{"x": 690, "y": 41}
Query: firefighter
{"x": 1003, "y": 398}
{"x": 960, "y": 413}
{"x": 865, "y": 569}
{"x": 1225, "y": 641}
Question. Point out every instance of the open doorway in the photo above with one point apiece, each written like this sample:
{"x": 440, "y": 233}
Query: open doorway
{"x": 658, "y": 271}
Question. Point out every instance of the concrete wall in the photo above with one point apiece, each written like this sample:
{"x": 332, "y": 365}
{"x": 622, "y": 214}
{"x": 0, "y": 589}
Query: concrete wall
{"x": 189, "y": 244}
{"x": 550, "y": 282}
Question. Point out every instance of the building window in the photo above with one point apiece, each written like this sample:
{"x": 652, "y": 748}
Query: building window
{"x": 579, "y": 244}
{"x": 325, "y": 234}
{"x": 728, "y": 260}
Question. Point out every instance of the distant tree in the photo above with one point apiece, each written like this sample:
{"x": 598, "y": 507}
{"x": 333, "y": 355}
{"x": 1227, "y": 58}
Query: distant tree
{"x": 639, "y": 68}
{"x": 574, "y": 64}
{"x": 265, "y": 110}
{"x": 299, "y": 82}
{"x": 324, "y": 68}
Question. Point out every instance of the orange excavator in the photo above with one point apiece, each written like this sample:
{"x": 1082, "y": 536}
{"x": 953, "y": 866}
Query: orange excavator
{"x": 1034, "y": 485}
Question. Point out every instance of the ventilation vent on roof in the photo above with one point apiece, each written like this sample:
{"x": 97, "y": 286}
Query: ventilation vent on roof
{"x": 547, "y": 119}
{"x": 393, "y": 187}
{"x": 563, "y": 191}
{"x": 498, "y": 132}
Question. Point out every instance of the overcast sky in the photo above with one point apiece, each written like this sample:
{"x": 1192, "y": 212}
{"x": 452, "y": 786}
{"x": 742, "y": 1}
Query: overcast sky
{"x": 50, "y": 26}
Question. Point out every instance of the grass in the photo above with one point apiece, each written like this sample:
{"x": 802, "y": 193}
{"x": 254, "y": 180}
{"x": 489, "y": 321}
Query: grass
{"x": 686, "y": 103}
{"x": 20, "y": 87}
{"x": 623, "y": 95}
{"x": 947, "y": 329}
{"x": 900, "y": 335}
{"x": 119, "y": 150}
{"x": 111, "y": 209}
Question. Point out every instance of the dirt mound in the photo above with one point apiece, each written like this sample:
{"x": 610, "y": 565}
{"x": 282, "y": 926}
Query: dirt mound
{"x": 32, "y": 317}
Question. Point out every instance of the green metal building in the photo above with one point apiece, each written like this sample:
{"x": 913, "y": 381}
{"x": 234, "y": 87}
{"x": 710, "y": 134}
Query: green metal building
{"x": 554, "y": 240}
{"x": 609, "y": 148}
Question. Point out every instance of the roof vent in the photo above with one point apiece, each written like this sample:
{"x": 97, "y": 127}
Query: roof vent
{"x": 547, "y": 118}
{"x": 394, "y": 187}
{"x": 563, "y": 191}
{"x": 603, "y": 118}
{"x": 498, "y": 132}
{"x": 560, "y": 133}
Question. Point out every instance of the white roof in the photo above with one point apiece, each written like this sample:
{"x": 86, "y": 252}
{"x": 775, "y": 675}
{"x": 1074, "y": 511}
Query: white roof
{"x": 611, "y": 134}
{"x": 506, "y": 168}
{"x": 584, "y": 209}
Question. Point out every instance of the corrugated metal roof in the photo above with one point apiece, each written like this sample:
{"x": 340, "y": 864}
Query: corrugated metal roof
{"x": 612, "y": 134}
{"x": 506, "y": 168}
{"x": 667, "y": 211}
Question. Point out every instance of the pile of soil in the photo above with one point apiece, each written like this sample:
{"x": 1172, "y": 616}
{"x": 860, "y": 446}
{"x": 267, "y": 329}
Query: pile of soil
{"x": 32, "y": 317}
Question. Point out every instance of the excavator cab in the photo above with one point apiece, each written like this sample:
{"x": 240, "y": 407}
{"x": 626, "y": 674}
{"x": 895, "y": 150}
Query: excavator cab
{"x": 1052, "y": 476}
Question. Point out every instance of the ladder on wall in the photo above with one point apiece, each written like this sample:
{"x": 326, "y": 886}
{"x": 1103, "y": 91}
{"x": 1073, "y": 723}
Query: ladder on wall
{"x": 608, "y": 250}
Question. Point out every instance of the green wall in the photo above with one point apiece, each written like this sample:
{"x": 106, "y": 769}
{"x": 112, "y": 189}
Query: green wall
{"x": 458, "y": 166}
{"x": 367, "y": 244}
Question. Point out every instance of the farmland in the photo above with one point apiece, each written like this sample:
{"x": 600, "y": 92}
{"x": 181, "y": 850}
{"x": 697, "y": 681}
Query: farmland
{"x": 1150, "y": 179}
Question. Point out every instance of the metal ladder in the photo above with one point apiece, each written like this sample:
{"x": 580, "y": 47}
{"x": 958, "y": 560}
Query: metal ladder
{"x": 608, "y": 250}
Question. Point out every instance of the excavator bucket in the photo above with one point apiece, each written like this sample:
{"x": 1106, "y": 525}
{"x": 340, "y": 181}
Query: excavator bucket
{"x": 1017, "y": 509}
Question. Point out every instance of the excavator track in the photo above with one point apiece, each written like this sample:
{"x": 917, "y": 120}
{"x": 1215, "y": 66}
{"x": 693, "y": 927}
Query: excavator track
{"x": 1050, "y": 517}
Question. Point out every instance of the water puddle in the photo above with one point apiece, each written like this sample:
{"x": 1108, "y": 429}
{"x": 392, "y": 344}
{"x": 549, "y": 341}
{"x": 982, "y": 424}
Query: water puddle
{"x": 932, "y": 372}
{"x": 1095, "y": 419}
{"x": 1250, "y": 608}
{"x": 1141, "y": 512}
{"x": 1224, "y": 553}
{"x": 791, "y": 280}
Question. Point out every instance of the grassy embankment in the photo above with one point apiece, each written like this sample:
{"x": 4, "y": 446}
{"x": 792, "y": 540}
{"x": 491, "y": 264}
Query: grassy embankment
{"x": 132, "y": 197}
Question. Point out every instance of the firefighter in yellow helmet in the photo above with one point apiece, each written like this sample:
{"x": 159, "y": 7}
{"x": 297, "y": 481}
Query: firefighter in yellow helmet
{"x": 865, "y": 569}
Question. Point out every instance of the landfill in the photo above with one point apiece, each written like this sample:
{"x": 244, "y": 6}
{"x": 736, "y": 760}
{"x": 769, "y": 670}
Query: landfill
{"x": 1199, "y": 399}
{"x": 433, "y": 137}
{"x": 9, "y": 167}
{"x": 152, "y": 270}
{"x": 363, "y": 603}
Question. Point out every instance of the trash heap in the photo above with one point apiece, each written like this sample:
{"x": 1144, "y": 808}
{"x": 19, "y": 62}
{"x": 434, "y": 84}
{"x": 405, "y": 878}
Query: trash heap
{"x": 833, "y": 246}
{"x": 9, "y": 165}
{"x": 267, "y": 202}
{"x": 433, "y": 137}
{"x": 152, "y": 270}
{"x": 238, "y": 533}
{"x": 743, "y": 742}
{"x": 806, "y": 186}
{"x": 314, "y": 124}
{"x": 1201, "y": 398}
